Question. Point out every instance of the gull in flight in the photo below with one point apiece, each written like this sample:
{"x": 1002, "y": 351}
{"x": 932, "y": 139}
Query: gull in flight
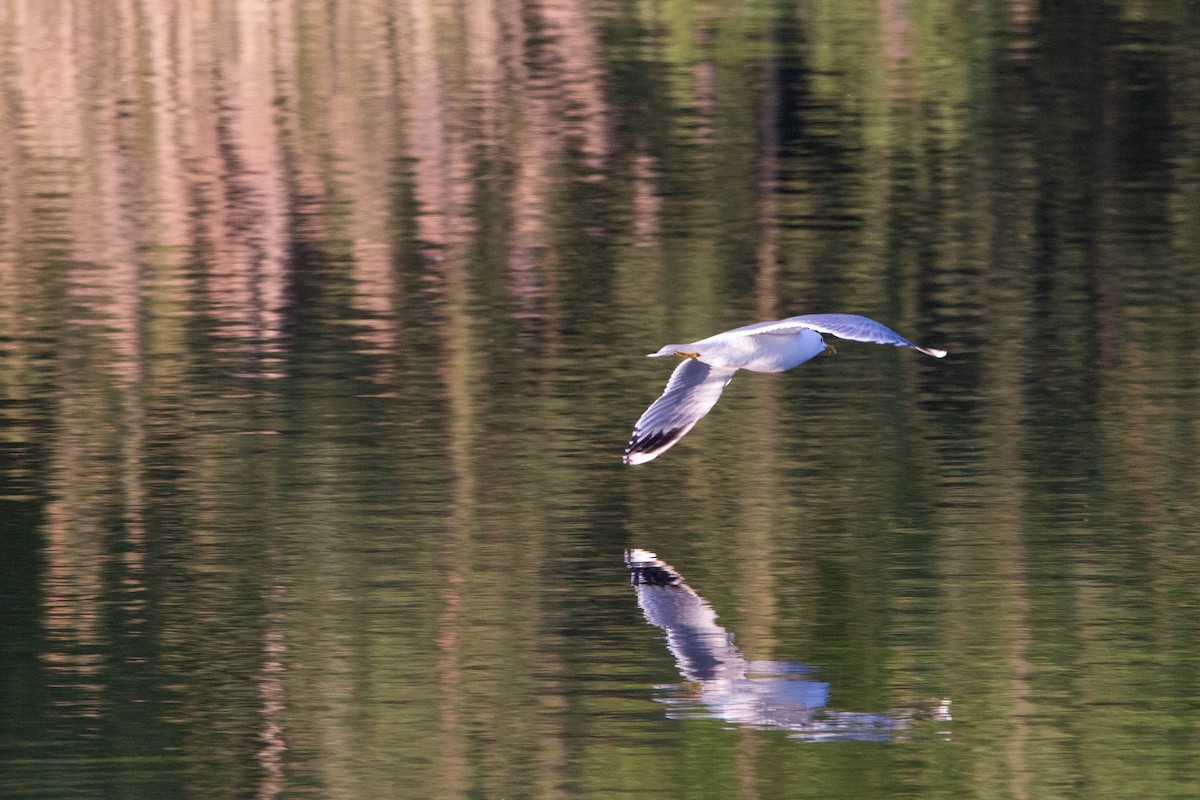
{"x": 709, "y": 364}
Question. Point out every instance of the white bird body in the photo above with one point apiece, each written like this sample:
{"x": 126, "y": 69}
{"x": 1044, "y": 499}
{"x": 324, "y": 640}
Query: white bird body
{"x": 709, "y": 364}
{"x": 767, "y": 352}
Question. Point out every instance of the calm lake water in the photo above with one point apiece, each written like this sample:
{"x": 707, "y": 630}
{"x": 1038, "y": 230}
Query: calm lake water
{"x": 321, "y": 335}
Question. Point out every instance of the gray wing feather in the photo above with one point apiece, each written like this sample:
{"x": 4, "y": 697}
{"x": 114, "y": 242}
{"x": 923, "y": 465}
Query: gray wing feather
{"x": 691, "y": 393}
{"x": 844, "y": 326}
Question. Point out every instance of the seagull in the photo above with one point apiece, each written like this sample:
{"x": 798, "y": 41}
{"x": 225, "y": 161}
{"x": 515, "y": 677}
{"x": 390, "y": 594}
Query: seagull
{"x": 709, "y": 364}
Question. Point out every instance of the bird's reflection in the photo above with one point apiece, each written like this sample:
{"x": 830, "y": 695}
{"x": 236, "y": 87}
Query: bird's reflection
{"x": 722, "y": 684}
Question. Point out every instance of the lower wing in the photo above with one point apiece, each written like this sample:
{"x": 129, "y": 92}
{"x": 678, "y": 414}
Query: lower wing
{"x": 694, "y": 388}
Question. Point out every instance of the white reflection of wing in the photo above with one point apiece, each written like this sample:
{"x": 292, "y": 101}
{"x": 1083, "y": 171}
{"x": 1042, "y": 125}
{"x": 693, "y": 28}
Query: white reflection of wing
{"x": 703, "y": 650}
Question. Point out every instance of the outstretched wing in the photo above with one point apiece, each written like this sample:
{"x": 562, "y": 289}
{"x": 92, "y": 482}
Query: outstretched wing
{"x": 691, "y": 393}
{"x": 843, "y": 326}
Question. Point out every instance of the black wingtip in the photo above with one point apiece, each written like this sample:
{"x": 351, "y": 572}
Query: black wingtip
{"x": 643, "y": 448}
{"x": 645, "y": 569}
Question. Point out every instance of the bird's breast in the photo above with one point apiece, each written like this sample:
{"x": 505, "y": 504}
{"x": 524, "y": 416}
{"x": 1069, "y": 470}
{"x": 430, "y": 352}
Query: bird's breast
{"x": 773, "y": 352}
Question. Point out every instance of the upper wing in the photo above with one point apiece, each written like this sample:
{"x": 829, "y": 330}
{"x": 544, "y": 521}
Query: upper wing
{"x": 844, "y": 326}
{"x": 691, "y": 393}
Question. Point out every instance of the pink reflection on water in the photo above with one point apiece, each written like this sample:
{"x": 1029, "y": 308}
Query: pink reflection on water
{"x": 246, "y": 284}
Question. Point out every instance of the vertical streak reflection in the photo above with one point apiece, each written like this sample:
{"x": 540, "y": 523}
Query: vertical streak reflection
{"x": 441, "y": 176}
{"x": 271, "y": 694}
